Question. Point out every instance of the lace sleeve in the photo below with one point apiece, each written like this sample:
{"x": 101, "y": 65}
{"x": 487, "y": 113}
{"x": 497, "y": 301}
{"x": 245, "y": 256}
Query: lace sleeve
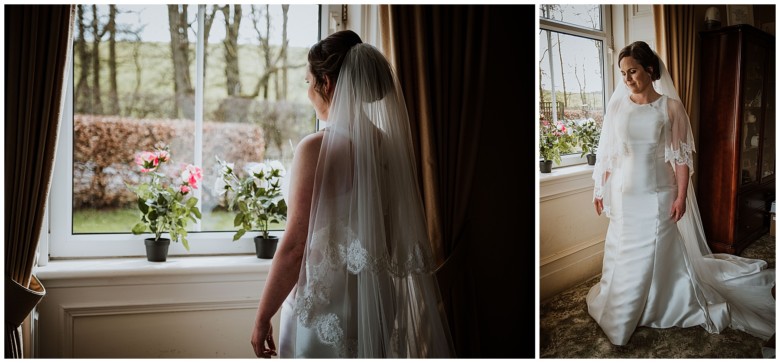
{"x": 679, "y": 138}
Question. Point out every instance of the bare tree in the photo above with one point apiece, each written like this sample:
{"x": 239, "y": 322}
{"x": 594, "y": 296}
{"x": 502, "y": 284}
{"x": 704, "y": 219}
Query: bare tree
{"x": 581, "y": 83}
{"x": 83, "y": 97}
{"x": 271, "y": 62}
{"x": 113, "y": 98}
{"x": 231, "y": 49}
{"x": 281, "y": 92}
{"x": 97, "y": 105}
{"x": 180, "y": 50}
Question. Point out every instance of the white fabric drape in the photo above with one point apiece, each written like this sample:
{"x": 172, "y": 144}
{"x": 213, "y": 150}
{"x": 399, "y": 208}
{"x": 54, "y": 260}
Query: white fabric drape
{"x": 367, "y": 287}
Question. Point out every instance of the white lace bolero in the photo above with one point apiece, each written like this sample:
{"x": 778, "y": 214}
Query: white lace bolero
{"x": 678, "y": 143}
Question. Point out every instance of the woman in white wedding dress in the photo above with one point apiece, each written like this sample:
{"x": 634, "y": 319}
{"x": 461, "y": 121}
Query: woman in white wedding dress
{"x": 354, "y": 274}
{"x": 658, "y": 270}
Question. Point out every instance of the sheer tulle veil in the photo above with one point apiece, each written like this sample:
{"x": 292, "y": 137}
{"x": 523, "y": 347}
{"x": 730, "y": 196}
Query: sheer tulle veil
{"x": 366, "y": 287}
{"x": 733, "y": 291}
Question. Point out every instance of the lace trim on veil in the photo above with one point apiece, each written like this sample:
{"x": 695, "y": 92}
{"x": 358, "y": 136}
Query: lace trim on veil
{"x": 351, "y": 256}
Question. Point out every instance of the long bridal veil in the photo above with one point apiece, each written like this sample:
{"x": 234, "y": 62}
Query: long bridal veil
{"x": 732, "y": 291}
{"x": 366, "y": 287}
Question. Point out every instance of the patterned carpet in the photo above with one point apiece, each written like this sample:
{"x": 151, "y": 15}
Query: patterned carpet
{"x": 567, "y": 331}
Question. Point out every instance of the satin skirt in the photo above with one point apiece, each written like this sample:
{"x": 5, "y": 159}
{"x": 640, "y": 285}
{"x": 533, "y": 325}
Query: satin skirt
{"x": 646, "y": 277}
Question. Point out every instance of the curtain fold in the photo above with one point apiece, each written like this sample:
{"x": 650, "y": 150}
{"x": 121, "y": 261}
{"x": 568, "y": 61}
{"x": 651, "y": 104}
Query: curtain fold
{"x": 440, "y": 56}
{"x": 37, "y": 43}
{"x": 676, "y": 36}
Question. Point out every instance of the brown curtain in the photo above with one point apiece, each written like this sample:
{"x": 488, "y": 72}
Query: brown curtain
{"x": 36, "y": 48}
{"x": 458, "y": 66}
{"x": 676, "y": 36}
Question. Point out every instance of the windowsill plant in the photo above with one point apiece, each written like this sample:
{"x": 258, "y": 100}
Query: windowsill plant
{"x": 587, "y": 135}
{"x": 555, "y": 140}
{"x": 255, "y": 195}
{"x": 166, "y": 202}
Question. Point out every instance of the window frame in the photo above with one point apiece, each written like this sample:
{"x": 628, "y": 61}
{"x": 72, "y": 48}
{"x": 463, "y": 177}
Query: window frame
{"x": 61, "y": 243}
{"x": 605, "y": 36}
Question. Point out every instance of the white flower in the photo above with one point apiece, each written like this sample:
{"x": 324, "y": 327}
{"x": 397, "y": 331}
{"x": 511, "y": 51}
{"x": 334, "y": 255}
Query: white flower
{"x": 261, "y": 183}
{"x": 254, "y": 168}
{"x": 277, "y": 165}
{"x": 226, "y": 169}
{"x": 219, "y": 186}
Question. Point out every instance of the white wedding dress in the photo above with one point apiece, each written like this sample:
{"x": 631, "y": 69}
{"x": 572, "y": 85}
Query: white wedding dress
{"x": 650, "y": 276}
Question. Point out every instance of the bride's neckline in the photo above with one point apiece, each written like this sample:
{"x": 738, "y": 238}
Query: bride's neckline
{"x": 644, "y": 104}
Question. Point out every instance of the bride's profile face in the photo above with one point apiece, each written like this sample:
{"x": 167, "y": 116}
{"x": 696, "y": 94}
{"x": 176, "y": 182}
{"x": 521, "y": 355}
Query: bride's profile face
{"x": 321, "y": 107}
{"x": 636, "y": 78}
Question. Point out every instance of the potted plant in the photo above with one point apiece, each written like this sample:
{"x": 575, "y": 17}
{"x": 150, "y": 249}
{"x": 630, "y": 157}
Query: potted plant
{"x": 165, "y": 202}
{"x": 587, "y": 134}
{"x": 554, "y": 140}
{"x": 256, "y": 196}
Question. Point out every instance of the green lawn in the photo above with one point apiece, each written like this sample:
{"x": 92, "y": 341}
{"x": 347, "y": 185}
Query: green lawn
{"x": 123, "y": 220}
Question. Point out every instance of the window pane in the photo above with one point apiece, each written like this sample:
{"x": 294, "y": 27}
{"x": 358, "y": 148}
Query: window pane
{"x": 573, "y": 65}
{"x": 256, "y": 103}
{"x": 585, "y": 16}
{"x": 134, "y": 87}
{"x": 125, "y": 101}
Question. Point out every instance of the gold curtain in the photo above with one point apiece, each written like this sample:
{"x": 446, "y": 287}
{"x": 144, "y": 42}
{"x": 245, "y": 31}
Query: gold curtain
{"x": 676, "y": 36}
{"x": 36, "y": 48}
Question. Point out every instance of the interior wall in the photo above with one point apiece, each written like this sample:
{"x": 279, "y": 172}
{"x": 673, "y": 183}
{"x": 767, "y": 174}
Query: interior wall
{"x": 169, "y": 314}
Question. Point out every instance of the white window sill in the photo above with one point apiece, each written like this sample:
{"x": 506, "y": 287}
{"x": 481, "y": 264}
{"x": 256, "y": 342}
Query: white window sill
{"x": 565, "y": 181}
{"x": 132, "y": 271}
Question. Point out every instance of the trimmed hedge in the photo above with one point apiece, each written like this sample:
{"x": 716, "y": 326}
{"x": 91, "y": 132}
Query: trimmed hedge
{"x": 104, "y": 149}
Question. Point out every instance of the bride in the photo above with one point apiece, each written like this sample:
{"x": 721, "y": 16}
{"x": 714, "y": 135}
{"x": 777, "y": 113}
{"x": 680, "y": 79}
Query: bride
{"x": 354, "y": 271}
{"x": 658, "y": 270}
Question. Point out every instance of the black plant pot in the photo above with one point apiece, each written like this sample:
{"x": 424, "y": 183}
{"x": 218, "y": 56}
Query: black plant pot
{"x": 545, "y": 166}
{"x": 591, "y": 159}
{"x": 157, "y": 251}
{"x": 266, "y": 247}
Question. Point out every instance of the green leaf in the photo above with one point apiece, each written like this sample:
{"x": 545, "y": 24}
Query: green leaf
{"x": 239, "y": 218}
{"x": 196, "y": 211}
{"x": 239, "y": 234}
{"x": 142, "y": 206}
{"x": 139, "y": 228}
{"x": 192, "y": 202}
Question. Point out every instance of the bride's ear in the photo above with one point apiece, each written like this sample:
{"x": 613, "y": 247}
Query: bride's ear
{"x": 329, "y": 86}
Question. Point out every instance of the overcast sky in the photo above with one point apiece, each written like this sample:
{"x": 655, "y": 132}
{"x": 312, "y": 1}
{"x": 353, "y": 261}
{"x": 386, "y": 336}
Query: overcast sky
{"x": 302, "y": 27}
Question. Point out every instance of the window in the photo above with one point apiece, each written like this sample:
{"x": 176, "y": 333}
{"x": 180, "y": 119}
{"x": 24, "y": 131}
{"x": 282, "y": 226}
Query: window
{"x": 573, "y": 42}
{"x": 143, "y": 75}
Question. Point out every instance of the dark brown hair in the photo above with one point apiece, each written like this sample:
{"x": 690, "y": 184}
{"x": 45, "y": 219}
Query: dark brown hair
{"x": 326, "y": 57}
{"x": 644, "y": 55}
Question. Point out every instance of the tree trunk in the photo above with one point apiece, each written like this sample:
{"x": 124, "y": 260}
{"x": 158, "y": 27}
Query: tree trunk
{"x": 563, "y": 79}
{"x": 232, "y": 73}
{"x": 180, "y": 47}
{"x": 113, "y": 94}
{"x": 83, "y": 98}
{"x": 97, "y": 105}
{"x": 267, "y": 48}
{"x": 281, "y": 94}
{"x": 206, "y": 31}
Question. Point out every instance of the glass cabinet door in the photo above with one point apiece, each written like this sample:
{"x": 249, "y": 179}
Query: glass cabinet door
{"x": 752, "y": 112}
{"x": 768, "y": 142}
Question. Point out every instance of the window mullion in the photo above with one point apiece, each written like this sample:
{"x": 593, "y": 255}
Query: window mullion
{"x": 198, "y": 139}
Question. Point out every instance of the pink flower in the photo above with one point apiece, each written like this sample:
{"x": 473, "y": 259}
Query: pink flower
{"x": 184, "y": 189}
{"x": 147, "y": 161}
{"x": 163, "y": 156}
{"x": 191, "y": 175}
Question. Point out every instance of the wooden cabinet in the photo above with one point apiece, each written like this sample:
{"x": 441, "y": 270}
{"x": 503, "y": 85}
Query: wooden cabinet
{"x": 736, "y": 149}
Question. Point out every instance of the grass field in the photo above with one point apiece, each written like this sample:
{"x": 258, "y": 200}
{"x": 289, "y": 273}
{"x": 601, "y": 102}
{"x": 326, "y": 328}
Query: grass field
{"x": 123, "y": 220}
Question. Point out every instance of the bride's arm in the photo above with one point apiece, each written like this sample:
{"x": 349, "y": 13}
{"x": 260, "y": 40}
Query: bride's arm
{"x": 286, "y": 265}
{"x": 678, "y": 206}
